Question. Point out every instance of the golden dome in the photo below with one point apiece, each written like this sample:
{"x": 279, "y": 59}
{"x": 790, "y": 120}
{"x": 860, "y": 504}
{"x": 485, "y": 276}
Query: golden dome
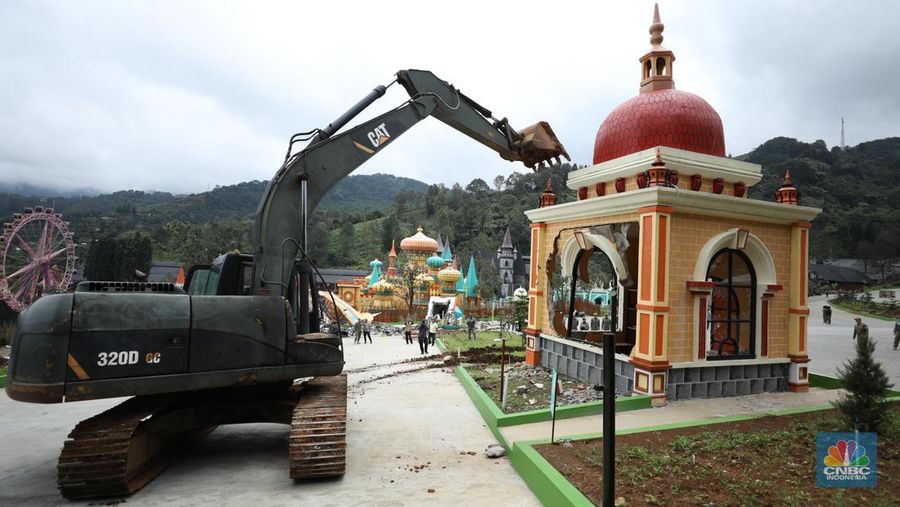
{"x": 449, "y": 275}
{"x": 425, "y": 278}
{"x": 383, "y": 287}
{"x": 419, "y": 243}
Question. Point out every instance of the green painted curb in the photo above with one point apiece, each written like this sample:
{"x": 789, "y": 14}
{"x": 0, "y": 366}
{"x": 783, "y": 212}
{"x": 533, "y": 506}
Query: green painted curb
{"x": 497, "y": 419}
{"x": 826, "y": 382}
{"x": 847, "y": 309}
{"x": 3, "y": 381}
{"x": 550, "y": 486}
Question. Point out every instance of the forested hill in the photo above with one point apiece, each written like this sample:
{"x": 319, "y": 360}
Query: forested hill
{"x": 858, "y": 190}
{"x": 119, "y": 211}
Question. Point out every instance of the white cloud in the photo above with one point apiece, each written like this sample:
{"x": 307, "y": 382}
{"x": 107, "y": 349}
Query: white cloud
{"x": 180, "y": 96}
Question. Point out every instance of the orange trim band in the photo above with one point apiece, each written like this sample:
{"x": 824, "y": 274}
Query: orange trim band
{"x": 646, "y": 256}
{"x": 651, "y": 366}
{"x": 803, "y": 225}
{"x": 661, "y": 255}
{"x": 656, "y": 209}
{"x": 535, "y": 292}
{"x": 799, "y": 311}
{"x": 539, "y": 225}
{"x": 644, "y": 339}
{"x": 653, "y": 308}
{"x": 79, "y": 371}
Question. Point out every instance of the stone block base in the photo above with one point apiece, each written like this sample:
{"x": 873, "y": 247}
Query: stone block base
{"x": 718, "y": 381}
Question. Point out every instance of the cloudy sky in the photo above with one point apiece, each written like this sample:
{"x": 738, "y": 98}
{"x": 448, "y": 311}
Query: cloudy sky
{"x": 182, "y": 96}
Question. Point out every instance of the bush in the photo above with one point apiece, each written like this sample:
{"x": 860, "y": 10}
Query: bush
{"x": 862, "y": 406}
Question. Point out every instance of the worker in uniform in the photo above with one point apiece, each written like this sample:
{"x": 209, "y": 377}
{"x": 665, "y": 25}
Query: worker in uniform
{"x": 357, "y": 331}
{"x": 470, "y": 327}
{"x": 860, "y": 330}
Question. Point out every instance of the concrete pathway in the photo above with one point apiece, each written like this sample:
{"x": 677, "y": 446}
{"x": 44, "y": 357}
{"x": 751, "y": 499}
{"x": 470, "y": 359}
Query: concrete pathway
{"x": 678, "y": 411}
{"x": 831, "y": 346}
{"x": 420, "y": 420}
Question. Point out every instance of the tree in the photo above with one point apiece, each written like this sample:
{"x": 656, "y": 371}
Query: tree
{"x": 478, "y": 187}
{"x": 389, "y": 228}
{"x": 488, "y": 281}
{"x": 133, "y": 251}
{"x": 862, "y": 405}
{"x": 498, "y": 182}
{"x": 408, "y": 282}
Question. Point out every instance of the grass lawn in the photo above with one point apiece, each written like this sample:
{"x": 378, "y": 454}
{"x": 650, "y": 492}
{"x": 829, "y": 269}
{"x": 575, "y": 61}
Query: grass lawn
{"x": 3, "y": 376}
{"x": 881, "y": 311}
{"x": 757, "y": 462}
{"x": 458, "y": 340}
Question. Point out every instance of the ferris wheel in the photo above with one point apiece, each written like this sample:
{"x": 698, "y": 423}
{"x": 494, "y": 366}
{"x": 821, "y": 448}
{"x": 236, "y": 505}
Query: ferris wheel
{"x": 37, "y": 256}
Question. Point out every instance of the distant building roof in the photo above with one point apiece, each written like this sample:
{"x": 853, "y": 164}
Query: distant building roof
{"x": 839, "y": 274}
{"x": 334, "y": 275}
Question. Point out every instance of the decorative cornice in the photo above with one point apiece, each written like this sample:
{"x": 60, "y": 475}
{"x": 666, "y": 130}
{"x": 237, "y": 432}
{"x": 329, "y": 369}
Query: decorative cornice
{"x": 683, "y": 161}
{"x": 683, "y": 201}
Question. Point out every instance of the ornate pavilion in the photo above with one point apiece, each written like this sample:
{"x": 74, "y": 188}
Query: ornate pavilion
{"x": 710, "y": 295}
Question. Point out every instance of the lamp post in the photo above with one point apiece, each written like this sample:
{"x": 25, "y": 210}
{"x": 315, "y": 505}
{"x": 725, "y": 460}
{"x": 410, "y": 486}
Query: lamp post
{"x": 609, "y": 404}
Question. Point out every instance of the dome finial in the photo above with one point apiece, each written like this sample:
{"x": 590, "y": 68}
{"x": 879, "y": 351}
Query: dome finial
{"x": 656, "y": 65}
{"x": 656, "y": 29}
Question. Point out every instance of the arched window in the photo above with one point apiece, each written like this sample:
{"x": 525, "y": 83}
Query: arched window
{"x": 660, "y": 66}
{"x": 731, "y": 311}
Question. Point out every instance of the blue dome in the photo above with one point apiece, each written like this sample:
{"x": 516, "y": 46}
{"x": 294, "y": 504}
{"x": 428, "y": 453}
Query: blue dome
{"x": 435, "y": 261}
{"x": 376, "y": 262}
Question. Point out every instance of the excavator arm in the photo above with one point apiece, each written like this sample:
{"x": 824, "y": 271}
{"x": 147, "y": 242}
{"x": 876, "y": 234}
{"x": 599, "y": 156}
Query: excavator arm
{"x": 306, "y": 176}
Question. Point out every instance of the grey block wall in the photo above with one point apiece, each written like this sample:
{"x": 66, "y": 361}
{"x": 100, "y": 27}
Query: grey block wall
{"x": 717, "y": 381}
{"x": 585, "y": 365}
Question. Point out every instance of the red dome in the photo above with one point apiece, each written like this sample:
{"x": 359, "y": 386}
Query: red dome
{"x": 670, "y": 118}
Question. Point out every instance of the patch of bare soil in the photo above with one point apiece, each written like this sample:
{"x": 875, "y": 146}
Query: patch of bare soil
{"x": 759, "y": 462}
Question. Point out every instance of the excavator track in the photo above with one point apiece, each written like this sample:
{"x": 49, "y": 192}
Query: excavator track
{"x": 318, "y": 441}
{"x": 115, "y": 454}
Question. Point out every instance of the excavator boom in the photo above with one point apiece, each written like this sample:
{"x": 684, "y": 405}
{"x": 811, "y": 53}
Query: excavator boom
{"x": 307, "y": 176}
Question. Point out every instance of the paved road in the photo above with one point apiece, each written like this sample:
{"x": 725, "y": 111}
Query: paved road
{"x": 831, "y": 346}
{"x": 419, "y": 419}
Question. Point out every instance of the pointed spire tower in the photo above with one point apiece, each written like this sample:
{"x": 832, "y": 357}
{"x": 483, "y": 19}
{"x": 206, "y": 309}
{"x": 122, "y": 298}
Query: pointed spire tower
{"x": 656, "y": 65}
{"x": 788, "y": 193}
{"x": 506, "y": 256}
{"x": 548, "y": 198}
{"x": 392, "y": 268}
{"x": 471, "y": 279}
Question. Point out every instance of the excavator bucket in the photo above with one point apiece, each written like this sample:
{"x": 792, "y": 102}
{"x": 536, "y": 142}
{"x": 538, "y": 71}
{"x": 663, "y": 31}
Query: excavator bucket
{"x": 539, "y": 144}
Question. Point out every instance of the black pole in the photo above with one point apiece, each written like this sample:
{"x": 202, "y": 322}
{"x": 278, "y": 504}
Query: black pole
{"x": 609, "y": 419}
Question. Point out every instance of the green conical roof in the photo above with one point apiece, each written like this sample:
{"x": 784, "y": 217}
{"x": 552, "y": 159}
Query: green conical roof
{"x": 471, "y": 279}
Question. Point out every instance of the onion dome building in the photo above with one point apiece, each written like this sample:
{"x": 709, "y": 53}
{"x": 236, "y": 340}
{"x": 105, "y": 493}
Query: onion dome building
{"x": 709, "y": 286}
{"x": 419, "y": 247}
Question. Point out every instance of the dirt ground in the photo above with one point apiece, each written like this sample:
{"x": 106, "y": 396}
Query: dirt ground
{"x": 760, "y": 462}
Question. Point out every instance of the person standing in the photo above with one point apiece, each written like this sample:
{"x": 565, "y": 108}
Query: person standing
{"x": 423, "y": 337}
{"x": 470, "y": 327}
{"x": 896, "y": 333}
{"x": 367, "y": 331}
{"x": 407, "y": 331}
{"x": 432, "y": 329}
{"x": 357, "y": 331}
{"x": 826, "y": 314}
{"x": 860, "y": 330}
